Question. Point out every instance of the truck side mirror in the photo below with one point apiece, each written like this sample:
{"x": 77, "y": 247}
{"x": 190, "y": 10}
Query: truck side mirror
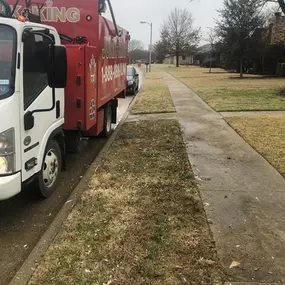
{"x": 57, "y": 71}
{"x": 29, "y": 121}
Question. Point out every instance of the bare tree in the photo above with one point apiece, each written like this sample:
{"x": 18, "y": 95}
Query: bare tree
{"x": 269, "y": 12}
{"x": 178, "y": 34}
{"x": 135, "y": 45}
{"x": 135, "y": 48}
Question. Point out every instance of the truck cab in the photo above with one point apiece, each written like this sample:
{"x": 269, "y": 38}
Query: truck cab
{"x": 31, "y": 105}
{"x": 63, "y": 68}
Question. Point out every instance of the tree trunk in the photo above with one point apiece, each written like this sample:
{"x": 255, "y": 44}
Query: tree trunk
{"x": 262, "y": 64}
{"x": 177, "y": 59}
{"x": 241, "y": 68}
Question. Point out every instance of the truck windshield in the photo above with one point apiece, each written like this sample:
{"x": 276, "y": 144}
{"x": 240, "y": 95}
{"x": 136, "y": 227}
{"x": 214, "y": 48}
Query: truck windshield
{"x": 7, "y": 60}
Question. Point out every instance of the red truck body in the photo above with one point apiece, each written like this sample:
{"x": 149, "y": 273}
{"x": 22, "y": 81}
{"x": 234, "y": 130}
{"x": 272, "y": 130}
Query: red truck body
{"x": 96, "y": 68}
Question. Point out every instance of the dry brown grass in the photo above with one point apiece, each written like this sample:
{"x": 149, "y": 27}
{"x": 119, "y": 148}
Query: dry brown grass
{"x": 225, "y": 91}
{"x": 266, "y": 134}
{"x": 154, "y": 96}
{"x": 141, "y": 221}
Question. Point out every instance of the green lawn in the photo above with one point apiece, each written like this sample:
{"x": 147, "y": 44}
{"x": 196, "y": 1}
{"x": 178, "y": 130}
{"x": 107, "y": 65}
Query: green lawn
{"x": 154, "y": 96}
{"x": 266, "y": 134}
{"x": 244, "y": 98}
{"x": 226, "y": 92}
{"x": 140, "y": 221}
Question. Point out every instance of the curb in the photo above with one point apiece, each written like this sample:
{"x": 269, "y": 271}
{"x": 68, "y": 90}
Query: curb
{"x": 27, "y": 269}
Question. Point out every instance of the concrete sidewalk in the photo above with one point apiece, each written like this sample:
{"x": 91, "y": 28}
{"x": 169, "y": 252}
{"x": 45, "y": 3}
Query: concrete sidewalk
{"x": 244, "y": 195}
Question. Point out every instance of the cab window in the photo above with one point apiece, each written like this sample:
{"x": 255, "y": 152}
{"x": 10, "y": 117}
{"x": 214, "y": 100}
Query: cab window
{"x": 8, "y": 44}
{"x": 36, "y": 50}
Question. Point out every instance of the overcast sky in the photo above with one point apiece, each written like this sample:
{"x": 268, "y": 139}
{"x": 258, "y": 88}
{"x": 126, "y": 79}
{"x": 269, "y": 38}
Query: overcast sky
{"x": 129, "y": 13}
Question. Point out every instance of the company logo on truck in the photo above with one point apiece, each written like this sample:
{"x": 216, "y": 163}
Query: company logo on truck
{"x": 92, "y": 67}
{"x": 50, "y": 13}
{"x": 111, "y": 72}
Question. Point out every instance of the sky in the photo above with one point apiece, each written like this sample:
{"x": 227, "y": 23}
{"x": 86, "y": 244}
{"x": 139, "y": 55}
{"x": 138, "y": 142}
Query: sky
{"x": 129, "y": 13}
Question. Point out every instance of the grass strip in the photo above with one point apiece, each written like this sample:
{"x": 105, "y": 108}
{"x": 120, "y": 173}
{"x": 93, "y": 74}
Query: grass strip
{"x": 154, "y": 96}
{"x": 141, "y": 220}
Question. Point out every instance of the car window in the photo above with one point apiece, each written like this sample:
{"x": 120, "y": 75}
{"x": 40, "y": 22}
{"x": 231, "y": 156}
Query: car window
{"x": 130, "y": 72}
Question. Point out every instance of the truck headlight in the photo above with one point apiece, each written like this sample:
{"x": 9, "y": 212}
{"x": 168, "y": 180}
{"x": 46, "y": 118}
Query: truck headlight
{"x": 7, "y": 152}
{"x": 130, "y": 82}
{"x": 3, "y": 165}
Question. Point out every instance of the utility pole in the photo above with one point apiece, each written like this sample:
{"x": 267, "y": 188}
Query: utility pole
{"x": 150, "y": 44}
{"x": 211, "y": 39}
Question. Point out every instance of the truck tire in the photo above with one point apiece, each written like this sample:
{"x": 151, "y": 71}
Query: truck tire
{"x": 107, "y": 121}
{"x": 49, "y": 175}
{"x": 134, "y": 90}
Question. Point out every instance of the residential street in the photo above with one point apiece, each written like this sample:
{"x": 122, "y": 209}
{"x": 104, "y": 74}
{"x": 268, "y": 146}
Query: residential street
{"x": 142, "y": 142}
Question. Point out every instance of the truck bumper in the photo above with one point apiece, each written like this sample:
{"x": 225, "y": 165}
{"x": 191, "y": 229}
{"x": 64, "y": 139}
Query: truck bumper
{"x": 130, "y": 89}
{"x": 10, "y": 186}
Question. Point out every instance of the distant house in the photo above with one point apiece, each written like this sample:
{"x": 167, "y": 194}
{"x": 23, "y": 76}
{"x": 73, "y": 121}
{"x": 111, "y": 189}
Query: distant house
{"x": 183, "y": 60}
{"x": 208, "y": 55}
{"x": 276, "y": 30}
{"x": 273, "y": 52}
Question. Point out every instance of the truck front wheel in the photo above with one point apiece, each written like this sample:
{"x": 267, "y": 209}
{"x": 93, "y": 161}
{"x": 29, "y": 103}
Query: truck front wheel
{"x": 51, "y": 168}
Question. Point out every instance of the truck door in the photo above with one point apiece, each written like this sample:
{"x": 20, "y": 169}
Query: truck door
{"x": 37, "y": 95}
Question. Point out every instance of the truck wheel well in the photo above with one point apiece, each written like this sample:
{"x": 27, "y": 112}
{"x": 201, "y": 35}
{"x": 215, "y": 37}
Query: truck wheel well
{"x": 59, "y": 138}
